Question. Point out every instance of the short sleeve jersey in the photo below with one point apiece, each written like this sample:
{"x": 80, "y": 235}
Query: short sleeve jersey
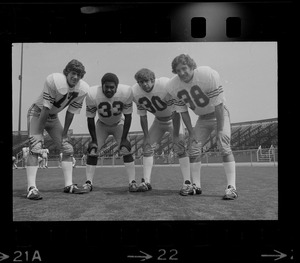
{"x": 45, "y": 153}
{"x": 57, "y": 94}
{"x": 110, "y": 110}
{"x": 201, "y": 94}
{"x": 25, "y": 151}
{"x": 158, "y": 102}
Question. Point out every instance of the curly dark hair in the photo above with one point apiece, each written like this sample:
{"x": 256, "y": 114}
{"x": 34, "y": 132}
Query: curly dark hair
{"x": 184, "y": 59}
{"x": 74, "y": 65}
{"x": 144, "y": 74}
{"x": 110, "y": 77}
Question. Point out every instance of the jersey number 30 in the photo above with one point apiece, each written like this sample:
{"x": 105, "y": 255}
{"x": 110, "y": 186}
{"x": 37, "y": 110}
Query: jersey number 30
{"x": 200, "y": 99}
{"x": 156, "y": 105}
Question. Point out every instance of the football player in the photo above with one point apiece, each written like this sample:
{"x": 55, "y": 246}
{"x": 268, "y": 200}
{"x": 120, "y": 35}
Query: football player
{"x": 14, "y": 162}
{"x": 60, "y": 91}
{"x": 60, "y": 159}
{"x": 73, "y": 162}
{"x": 25, "y": 153}
{"x": 113, "y": 103}
{"x": 45, "y": 153}
{"x": 150, "y": 95}
{"x": 199, "y": 89}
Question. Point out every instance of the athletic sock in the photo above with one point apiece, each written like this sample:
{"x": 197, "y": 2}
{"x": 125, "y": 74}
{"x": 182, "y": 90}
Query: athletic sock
{"x": 185, "y": 168}
{"x": 31, "y": 175}
{"x": 230, "y": 173}
{"x": 90, "y": 171}
{"x": 68, "y": 172}
{"x": 130, "y": 170}
{"x": 196, "y": 173}
{"x": 147, "y": 168}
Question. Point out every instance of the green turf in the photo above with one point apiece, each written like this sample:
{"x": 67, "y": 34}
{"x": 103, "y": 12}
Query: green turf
{"x": 110, "y": 200}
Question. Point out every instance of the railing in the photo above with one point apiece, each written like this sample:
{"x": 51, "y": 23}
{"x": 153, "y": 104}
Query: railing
{"x": 248, "y": 157}
{"x": 266, "y": 154}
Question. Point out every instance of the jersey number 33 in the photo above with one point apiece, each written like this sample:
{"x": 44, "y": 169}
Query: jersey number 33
{"x": 107, "y": 110}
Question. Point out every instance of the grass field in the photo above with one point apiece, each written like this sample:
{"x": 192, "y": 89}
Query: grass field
{"x": 257, "y": 187}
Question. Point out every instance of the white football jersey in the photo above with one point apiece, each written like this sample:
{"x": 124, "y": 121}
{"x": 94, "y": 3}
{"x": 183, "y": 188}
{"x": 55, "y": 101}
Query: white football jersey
{"x": 25, "y": 151}
{"x": 159, "y": 102}
{"x": 57, "y": 94}
{"x": 201, "y": 94}
{"x": 110, "y": 110}
{"x": 44, "y": 153}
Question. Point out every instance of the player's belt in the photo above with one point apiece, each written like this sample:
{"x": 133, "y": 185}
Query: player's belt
{"x": 208, "y": 116}
{"x": 165, "y": 119}
{"x": 110, "y": 125}
{"x": 52, "y": 116}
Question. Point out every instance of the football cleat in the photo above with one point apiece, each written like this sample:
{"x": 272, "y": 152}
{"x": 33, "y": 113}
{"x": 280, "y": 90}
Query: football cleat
{"x": 73, "y": 189}
{"x": 133, "y": 187}
{"x": 187, "y": 189}
{"x": 197, "y": 190}
{"x": 88, "y": 186}
{"x": 33, "y": 193}
{"x": 143, "y": 187}
{"x": 230, "y": 193}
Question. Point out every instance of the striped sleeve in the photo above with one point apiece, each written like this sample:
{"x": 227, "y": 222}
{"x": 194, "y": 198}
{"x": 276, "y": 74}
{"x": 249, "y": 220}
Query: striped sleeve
{"x": 49, "y": 92}
{"x": 216, "y": 94}
{"x": 91, "y": 107}
{"x": 180, "y": 106}
{"x": 76, "y": 105}
{"x": 127, "y": 107}
{"x": 141, "y": 111}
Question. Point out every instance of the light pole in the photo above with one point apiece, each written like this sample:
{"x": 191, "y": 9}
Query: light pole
{"x": 20, "y": 96}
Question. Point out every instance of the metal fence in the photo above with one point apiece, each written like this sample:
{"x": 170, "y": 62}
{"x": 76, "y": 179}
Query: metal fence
{"x": 243, "y": 156}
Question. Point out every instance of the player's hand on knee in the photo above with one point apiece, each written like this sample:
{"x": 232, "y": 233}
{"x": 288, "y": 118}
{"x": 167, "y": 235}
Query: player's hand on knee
{"x": 194, "y": 147}
{"x": 125, "y": 147}
{"x": 148, "y": 149}
{"x": 92, "y": 149}
{"x": 222, "y": 137}
{"x": 66, "y": 147}
{"x": 36, "y": 138}
{"x": 179, "y": 145}
{"x": 146, "y": 141}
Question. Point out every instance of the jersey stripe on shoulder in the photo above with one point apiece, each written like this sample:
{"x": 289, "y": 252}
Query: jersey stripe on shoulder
{"x": 46, "y": 96}
{"x": 76, "y": 105}
{"x": 215, "y": 93}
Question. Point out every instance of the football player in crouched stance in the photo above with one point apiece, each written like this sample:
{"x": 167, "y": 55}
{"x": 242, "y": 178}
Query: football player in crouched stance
{"x": 199, "y": 89}
{"x": 60, "y": 91}
{"x": 150, "y": 95}
{"x": 113, "y": 102}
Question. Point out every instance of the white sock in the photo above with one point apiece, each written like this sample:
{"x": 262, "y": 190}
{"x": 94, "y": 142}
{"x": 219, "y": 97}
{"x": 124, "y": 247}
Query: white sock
{"x": 230, "y": 173}
{"x": 196, "y": 173}
{"x": 90, "y": 171}
{"x": 147, "y": 168}
{"x": 67, "y": 171}
{"x": 130, "y": 170}
{"x": 185, "y": 168}
{"x": 31, "y": 175}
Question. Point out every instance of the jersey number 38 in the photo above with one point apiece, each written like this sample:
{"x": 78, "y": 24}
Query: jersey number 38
{"x": 198, "y": 97}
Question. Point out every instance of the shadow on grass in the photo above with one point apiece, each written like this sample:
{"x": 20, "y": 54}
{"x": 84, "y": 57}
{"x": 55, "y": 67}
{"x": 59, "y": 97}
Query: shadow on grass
{"x": 154, "y": 192}
{"x": 119, "y": 191}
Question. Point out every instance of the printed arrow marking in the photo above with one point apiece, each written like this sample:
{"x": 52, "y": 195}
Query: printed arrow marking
{"x": 278, "y": 256}
{"x": 143, "y": 257}
{"x": 3, "y": 256}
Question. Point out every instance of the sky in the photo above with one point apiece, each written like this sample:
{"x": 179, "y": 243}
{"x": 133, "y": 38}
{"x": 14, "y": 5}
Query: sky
{"x": 248, "y": 72}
